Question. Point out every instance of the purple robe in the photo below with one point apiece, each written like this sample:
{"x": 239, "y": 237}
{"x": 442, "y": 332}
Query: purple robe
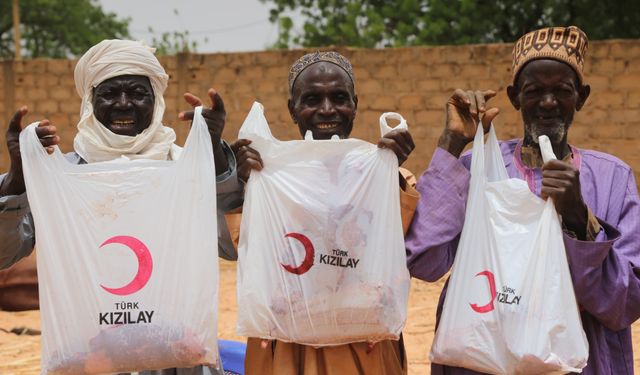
{"x": 605, "y": 272}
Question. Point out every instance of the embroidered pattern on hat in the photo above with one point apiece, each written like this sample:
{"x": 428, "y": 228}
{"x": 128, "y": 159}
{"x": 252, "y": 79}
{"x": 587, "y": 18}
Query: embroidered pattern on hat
{"x": 565, "y": 44}
{"x": 315, "y": 57}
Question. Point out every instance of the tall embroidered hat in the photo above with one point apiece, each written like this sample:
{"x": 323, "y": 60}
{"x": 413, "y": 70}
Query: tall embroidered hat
{"x": 565, "y": 44}
{"x": 315, "y": 57}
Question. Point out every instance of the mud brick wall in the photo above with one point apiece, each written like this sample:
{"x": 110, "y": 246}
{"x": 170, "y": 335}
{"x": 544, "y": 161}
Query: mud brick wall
{"x": 415, "y": 82}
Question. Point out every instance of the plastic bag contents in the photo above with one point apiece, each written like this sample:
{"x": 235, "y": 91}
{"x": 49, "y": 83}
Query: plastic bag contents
{"x": 510, "y": 306}
{"x": 321, "y": 257}
{"x": 150, "y": 346}
{"x": 127, "y": 260}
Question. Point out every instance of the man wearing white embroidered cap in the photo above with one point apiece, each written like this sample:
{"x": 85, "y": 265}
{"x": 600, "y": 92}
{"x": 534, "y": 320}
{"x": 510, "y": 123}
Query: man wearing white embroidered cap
{"x": 121, "y": 84}
{"x": 323, "y": 101}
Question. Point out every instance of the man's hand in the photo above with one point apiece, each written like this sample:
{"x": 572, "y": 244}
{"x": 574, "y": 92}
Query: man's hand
{"x": 463, "y": 110}
{"x": 400, "y": 142}
{"x": 215, "y": 119}
{"x": 561, "y": 183}
{"x": 247, "y": 158}
{"x": 13, "y": 183}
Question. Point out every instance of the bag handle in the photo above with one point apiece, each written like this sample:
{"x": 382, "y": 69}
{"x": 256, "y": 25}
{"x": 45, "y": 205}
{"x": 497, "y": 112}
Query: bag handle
{"x": 486, "y": 160}
{"x": 255, "y": 125}
{"x": 198, "y": 140}
{"x": 545, "y": 149}
{"x": 31, "y": 147}
{"x": 385, "y": 128}
{"x": 547, "y": 154}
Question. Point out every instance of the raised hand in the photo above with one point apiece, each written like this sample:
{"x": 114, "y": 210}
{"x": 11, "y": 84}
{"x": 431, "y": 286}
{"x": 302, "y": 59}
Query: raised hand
{"x": 215, "y": 119}
{"x": 400, "y": 142}
{"x": 463, "y": 113}
{"x": 247, "y": 158}
{"x": 13, "y": 183}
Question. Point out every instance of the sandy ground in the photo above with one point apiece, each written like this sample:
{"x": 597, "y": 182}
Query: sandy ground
{"x": 20, "y": 354}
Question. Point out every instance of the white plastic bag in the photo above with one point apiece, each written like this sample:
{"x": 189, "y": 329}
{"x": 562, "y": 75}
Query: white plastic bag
{"x": 127, "y": 258}
{"x": 321, "y": 258}
{"x": 510, "y": 306}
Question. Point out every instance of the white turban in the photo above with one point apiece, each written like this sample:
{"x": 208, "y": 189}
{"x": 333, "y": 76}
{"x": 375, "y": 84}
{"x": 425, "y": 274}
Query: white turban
{"x": 108, "y": 59}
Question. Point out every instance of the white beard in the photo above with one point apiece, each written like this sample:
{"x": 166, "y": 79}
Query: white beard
{"x": 555, "y": 136}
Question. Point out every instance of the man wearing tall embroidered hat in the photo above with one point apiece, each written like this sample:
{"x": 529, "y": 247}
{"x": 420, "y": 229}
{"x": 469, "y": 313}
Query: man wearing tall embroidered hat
{"x": 121, "y": 84}
{"x": 595, "y": 193}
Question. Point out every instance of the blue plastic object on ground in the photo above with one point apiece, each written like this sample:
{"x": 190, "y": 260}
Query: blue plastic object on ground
{"x": 232, "y": 356}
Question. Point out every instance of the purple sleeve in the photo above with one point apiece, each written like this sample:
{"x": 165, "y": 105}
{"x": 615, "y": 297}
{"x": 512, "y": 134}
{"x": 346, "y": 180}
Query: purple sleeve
{"x": 435, "y": 230}
{"x": 606, "y": 272}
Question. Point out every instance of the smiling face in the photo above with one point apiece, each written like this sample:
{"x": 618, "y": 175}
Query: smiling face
{"x": 323, "y": 101}
{"x": 124, "y": 104}
{"x": 547, "y": 93}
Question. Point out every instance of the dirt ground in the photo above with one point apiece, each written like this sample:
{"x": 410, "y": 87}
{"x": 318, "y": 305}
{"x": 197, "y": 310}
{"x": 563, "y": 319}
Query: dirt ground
{"x": 20, "y": 354}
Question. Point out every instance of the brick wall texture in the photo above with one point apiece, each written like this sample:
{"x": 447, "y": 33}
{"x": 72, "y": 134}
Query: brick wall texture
{"x": 415, "y": 82}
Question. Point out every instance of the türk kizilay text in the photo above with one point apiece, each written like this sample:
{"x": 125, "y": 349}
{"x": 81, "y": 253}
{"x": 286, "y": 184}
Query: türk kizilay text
{"x": 339, "y": 258}
{"x": 126, "y": 313}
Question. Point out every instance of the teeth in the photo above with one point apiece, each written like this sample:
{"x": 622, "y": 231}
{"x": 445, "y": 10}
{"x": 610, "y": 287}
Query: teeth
{"x": 123, "y": 122}
{"x": 326, "y": 126}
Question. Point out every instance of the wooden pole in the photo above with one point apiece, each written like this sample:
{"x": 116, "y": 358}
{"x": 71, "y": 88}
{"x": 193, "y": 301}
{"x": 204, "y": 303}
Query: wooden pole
{"x": 16, "y": 30}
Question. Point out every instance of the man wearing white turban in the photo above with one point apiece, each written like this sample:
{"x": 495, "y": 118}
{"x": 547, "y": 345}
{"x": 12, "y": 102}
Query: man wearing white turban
{"x": 100, "y": 140}
{"x": 121, "y": 84}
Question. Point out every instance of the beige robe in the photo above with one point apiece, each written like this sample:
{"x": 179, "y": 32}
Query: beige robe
{"x": 275, "y": 357}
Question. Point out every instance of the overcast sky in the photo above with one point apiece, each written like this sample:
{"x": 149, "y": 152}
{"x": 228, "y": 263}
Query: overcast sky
{"x": 227, "y": 26}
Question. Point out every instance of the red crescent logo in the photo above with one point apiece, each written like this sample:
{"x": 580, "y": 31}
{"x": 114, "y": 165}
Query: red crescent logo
{"x": 492, "y": 288}
{"x": 145, "y": 265}
{"x": 309, "y": 253}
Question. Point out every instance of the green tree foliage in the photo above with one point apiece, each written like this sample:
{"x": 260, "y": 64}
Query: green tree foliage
{"x": 54, "y": 28}
{"x": 171, "y": 43}
{"x": 391, "y": 23}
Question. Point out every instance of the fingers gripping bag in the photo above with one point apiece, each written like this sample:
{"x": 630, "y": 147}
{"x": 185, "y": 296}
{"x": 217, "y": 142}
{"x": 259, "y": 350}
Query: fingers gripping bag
{"x": 321, "y": 257}
{"x": 127, "y": 258}
{"x": 510, "y": 307}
